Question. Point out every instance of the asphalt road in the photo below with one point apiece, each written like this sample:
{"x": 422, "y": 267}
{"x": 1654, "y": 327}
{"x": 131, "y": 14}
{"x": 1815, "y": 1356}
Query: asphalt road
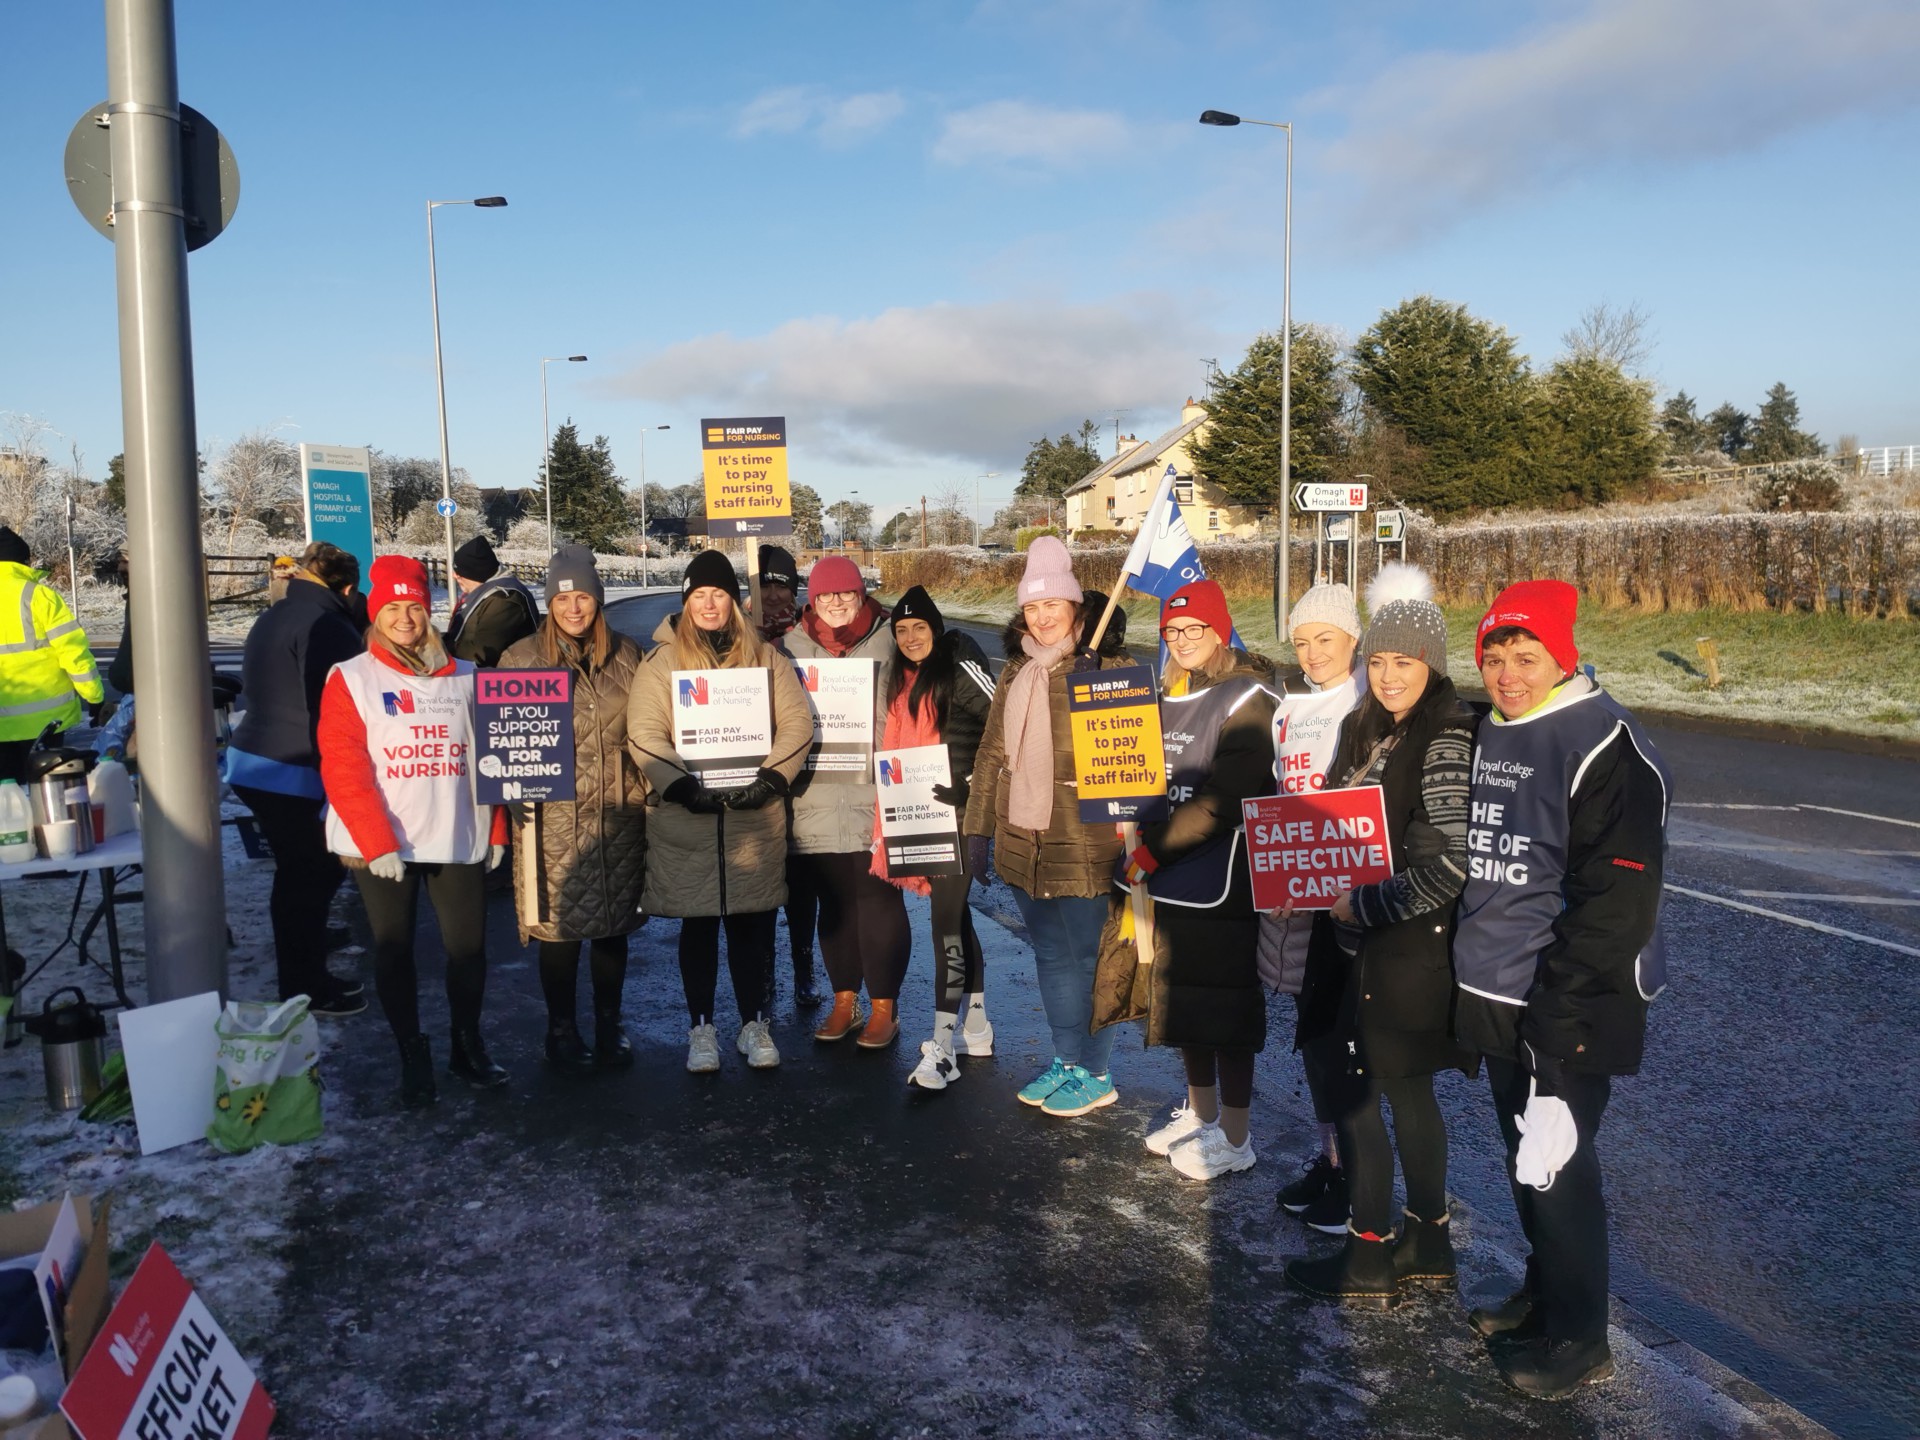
{"x": 1761, "y": 1165}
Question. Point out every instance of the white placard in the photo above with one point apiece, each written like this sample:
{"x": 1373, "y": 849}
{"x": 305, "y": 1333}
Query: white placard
{"x": 171, "y": 1053}
{"x": 723, "y": 724}
{"x": 921, "y": 835}
{"x": 840, "y": 694}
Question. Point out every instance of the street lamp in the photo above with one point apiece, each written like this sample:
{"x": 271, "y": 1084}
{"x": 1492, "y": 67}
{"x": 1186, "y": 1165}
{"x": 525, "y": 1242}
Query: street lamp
{"x": 643, "y": 499}
{"x": 546, "y": 454}
{"x": 1285, "y": 597}
{"x": 990, "y": 475}
{"x": 485, "y": 202}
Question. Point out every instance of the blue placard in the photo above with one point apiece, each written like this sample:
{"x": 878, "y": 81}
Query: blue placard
{"x": 338, "y": 490}
{"x": 523, "y": 724}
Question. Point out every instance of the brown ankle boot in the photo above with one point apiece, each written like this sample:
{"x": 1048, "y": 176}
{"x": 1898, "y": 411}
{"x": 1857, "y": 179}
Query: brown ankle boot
{"x": 843, "y": 1019}
{"x": 882, "y": 1027}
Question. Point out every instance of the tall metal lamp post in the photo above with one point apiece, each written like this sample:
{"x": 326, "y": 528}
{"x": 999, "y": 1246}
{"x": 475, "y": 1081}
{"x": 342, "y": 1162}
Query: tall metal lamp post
{"x": 643, "y": 499}
{"x": 1285, "y": 597}
{"x": 990, "y": 475}
{"x": 485, "y": 202}
{"x": 546, "y": 453}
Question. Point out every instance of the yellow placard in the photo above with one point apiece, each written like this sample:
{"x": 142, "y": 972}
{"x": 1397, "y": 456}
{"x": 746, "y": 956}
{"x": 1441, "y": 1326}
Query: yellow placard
{"x": 1119, "y": 758}
{"x": 744, "y": 462}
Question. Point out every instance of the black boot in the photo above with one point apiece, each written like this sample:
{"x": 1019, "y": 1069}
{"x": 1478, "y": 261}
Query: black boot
{"x": 417, "y": 1085}
{"x": 805, "y": 993}
{"x": 565, "y": 1049}
{"x": 1553, "y": 1369}
{"x": 1360, "y": 1275}
{"x": 612, "y": 1050}
{"x": 1512, "y": 1317}
{"x": 471, "y": 1062}
{"x": 1423, "y": 1255}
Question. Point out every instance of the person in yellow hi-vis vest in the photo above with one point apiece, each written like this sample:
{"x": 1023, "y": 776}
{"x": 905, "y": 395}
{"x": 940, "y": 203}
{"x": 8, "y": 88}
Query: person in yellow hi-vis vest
{"x": 46, "y": 668}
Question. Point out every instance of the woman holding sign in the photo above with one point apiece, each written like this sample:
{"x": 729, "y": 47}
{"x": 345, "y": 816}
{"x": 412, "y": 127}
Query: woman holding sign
{"x": 863, "y": 920}
{"x": 1379, "y": 981}
{"x": 396, "y": 758}
{"x": 580, "y": 863}
{"x": 717, "y": 852}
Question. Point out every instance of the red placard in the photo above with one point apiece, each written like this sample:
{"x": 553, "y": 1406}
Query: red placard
{"x": 1306, "y": 851}
{"x": 161, "y": 1365}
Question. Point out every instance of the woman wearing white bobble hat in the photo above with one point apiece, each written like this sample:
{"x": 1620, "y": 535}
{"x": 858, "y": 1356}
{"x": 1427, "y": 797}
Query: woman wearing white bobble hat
{"x": 1379, "y": 978}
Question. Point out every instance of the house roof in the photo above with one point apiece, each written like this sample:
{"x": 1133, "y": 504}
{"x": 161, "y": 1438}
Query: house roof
{"x": 1141, "y": 455}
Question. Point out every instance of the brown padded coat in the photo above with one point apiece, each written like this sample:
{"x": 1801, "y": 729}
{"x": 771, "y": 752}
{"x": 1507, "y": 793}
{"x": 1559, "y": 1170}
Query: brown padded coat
{"x": 733, "y": 863}
{"x": 1068, "y": 858}
{"x": 578, "y": 865}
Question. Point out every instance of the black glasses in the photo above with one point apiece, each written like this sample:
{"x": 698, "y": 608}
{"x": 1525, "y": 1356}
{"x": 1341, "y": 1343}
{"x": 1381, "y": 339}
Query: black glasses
{"x": 1171, "y": 633}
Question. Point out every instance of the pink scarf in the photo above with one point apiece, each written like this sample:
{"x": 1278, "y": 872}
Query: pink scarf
{"x": 904, "y": 729}
{"x": 1029, "y": 734}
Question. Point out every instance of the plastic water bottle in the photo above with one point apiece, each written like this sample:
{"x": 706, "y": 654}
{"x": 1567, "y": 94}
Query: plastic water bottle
{"x": 110, "y": 789}
{"x": 16, "y": 824}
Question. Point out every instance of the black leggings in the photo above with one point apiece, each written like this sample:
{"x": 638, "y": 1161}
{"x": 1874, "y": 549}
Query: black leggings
{"x": 1366, "y": 1152}
{"x": 863, "y": 924}
{"x": 459, "y": 897}
{"x": 959, "y": 969}
{"x": 560, "y": 975}
{"x": 305, "y": 876}
{"x": 1232, "y": 1070}
{"x": 803, "y": 916}
{"x": 749, "y": 962}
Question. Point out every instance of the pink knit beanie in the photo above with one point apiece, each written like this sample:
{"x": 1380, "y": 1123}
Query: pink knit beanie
{"x": 1049, "y": 572}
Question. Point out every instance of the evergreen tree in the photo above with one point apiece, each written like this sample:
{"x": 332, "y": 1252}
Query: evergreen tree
{"x": 1731, "y": 430}
{"x": 1052, "y": 467}
{"x": 1241, "y": 449}
{"x": 116, "y": 487}
{"x": 1685, "y": 432}
{"x": 1777, "y": 435}
{"x": 806, "y": 517}
{"x": 589, "y": 504}
{"x": 1593, "y": 431}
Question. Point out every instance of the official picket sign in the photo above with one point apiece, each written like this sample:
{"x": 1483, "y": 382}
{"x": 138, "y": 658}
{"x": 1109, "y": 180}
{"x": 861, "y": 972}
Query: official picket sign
{"x": 723, "y": 724}
{"x": 1119, "y": 758}
{"x": 922, "y": 835}
{"x": 524, "y": 719}
{"x": 744, "y": 463}
{"x": 1306, "y": 851}
{"x": 161, "y": 1368}
{"x": 840, "y": 694}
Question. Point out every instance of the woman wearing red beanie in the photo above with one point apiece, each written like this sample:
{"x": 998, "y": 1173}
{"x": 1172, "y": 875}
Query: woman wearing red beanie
{"x": 396, "y": 751}
{"x": 1204, "y": 990}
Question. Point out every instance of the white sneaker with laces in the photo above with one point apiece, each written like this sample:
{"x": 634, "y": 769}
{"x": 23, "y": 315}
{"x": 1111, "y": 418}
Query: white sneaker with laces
{"x": 1183, "y": 1123}
{"x": 971, "y": 1039}
{"x": 1206, "y": 1154}
{"x": 757, "y": 1045}
{"x": 703, "y": 1050}
{"x": 936, "y": 1069}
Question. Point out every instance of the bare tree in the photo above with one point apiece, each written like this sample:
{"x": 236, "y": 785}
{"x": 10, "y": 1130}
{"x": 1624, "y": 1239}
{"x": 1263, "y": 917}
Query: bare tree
{"x": 255, "y": 481}
{"x": 27, "y": 477}
{"x": 950, "y": 516}
{"x": 1622, "y": 337}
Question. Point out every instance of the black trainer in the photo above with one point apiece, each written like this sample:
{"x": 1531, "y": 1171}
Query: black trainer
{"x": 1320, "y": 1172}
{"x": 1330, "y": 1212}
{"x": 335, "y": 1001}
{"x": 1553, "y": 1369}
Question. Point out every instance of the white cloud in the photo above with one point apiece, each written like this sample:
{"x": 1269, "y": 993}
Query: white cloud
{"x": 835, "y": 121}
{"x": 1018, "y": 132}
{"x": 1625, "y": 82}
{"x": 943, "y": 381}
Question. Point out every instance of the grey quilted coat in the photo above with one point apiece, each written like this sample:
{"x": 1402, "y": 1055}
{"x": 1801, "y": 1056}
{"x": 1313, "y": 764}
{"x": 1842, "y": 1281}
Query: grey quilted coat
{"x": 578, "y": 865}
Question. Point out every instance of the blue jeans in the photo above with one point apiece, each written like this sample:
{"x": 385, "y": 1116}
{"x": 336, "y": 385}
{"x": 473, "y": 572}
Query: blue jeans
{"x": 1065, "y": 934}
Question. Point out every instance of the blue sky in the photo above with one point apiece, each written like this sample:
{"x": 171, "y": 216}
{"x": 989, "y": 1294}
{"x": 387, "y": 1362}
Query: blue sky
{"x": 927, "y": 233}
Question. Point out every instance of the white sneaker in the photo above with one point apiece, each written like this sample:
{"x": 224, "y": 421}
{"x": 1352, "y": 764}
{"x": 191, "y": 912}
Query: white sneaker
{"x": 757, "y": 1045}
{"x": 971, "y": 1039}
{"x": 1185, "y": 1122}
{"x": 1206, "y": 1154}
{"x": 936, "y": 1069}
{"x": 703, "y": 1050}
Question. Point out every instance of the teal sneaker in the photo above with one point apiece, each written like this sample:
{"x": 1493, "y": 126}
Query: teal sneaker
{"x": 1036, "y": 1090}
{"x": 1081, "y": 1093}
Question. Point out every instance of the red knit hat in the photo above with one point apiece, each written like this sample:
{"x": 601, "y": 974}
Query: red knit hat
{"x": 396, "y": 578}
{"x": 835, "y": 575}
{"x": 1202, "y": 600}
{"x": 1543, "y": 608}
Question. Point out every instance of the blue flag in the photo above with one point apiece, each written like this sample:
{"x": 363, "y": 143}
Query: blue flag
{"x": 1164, "y": 557}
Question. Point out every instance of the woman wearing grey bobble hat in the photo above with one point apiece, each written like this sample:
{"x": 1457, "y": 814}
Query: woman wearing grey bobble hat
{"x": 1379, "y": 979}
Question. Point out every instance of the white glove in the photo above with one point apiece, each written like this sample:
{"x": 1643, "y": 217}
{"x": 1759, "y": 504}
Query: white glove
{"x": 495, "y": 854}
{"x": 1548, "y": 1139}
{"x": 388, "y": 866}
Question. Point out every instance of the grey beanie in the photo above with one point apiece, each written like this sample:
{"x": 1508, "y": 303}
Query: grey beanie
{"x": 1405, "y": 619}
{"x": 1326, "y": 604}
{"x": 572, "y": 569}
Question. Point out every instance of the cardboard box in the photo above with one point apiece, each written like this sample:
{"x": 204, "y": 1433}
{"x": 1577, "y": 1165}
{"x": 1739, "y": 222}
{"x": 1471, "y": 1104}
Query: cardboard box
{"x": 25, "y": 1232}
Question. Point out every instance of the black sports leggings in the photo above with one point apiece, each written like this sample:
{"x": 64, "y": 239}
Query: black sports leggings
{"x": 803, "y": 916}
{"x": 560, "y": 975}
{"x": 305, "y": 876}
{"x": 749, "y": 962}
{"x": 959, "y": 969}
{"x": 1232, "y": 1070}
{"x": 1366, "y": 1152}
{"x": 863, "y": 924}
{"x": 459, "y": 897}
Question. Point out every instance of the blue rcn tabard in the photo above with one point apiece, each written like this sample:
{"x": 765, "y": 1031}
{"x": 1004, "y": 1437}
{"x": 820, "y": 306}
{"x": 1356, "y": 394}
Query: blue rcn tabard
{"x": 1525, "y": 774}
{"x": 1190, "y": 729}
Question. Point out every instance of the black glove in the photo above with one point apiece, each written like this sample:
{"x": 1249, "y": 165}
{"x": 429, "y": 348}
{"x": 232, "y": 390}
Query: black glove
{"x": 1083, "y": 661}
{"x": 977, "y": 859}
{"x": 954, "y": 794}
{"x": 769, "y": 785}
{"x": 696, "y": 797}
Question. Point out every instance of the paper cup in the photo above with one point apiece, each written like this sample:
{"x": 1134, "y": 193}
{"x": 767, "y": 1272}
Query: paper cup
{"x": 59, "y": 837}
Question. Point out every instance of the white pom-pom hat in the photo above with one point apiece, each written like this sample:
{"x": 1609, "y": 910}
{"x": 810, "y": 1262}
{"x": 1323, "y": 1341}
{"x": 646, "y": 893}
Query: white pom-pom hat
{"x": 1404, "y": 618}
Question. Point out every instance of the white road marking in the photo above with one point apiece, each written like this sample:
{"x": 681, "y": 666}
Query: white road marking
{"x": 1795, "y": 920}
{"x": 1710, "y": 805}
{"x": 1828, "y": 899}
{"x": 1863, "y": 815}
{"x": 1741, "y": 848}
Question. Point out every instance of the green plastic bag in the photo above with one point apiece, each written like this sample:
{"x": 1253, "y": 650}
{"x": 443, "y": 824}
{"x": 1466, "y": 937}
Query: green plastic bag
{"x": 266, "y": 1086}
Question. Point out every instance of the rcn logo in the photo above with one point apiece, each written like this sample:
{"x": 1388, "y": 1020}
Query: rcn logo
{"x": 124, "y": 1355}
{"x": 512, "y": 790}
{"x": 1114, "y": 807}
{"x": 810, "y": 677}
{"x": 693, "y": 692}
{"x": 401, "y": 704}
{"x": 890, "y": 771}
